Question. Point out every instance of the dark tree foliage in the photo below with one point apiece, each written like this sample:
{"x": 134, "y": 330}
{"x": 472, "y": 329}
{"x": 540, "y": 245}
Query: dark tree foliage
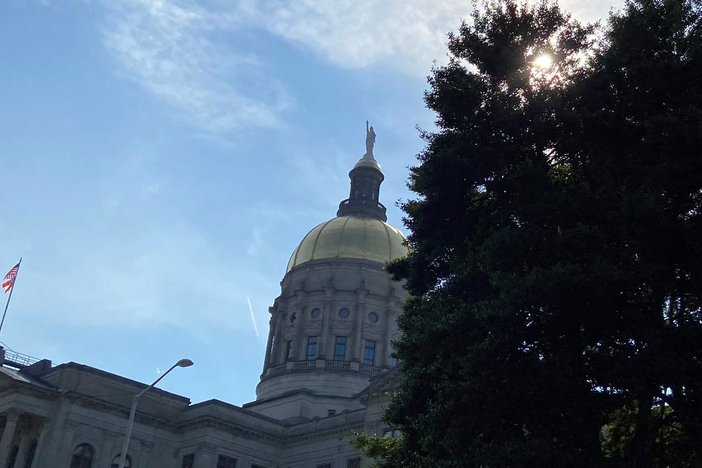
{"x": 556, "y": 265}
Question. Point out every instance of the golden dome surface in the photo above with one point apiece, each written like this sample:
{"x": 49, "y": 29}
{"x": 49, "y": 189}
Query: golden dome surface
{"x": 356, "y": 237}
{"x": 367, "y": 162}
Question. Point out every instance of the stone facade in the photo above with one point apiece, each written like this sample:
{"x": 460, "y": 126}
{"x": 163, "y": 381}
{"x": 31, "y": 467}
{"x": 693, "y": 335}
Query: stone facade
{"x": 327, "y": 370}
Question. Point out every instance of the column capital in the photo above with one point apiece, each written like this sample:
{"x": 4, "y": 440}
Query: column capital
{"x": 109, "y": 436}
{"x": 12, "y": 415}
{"x": 206, "y": 447}
{"x": 146, "y": 446}
{"x": 70, "y": 425}
{"x": 329, "y": 292}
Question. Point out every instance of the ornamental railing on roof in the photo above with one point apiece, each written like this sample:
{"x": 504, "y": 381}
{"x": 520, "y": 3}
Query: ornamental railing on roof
{"x": 18, "y": 360}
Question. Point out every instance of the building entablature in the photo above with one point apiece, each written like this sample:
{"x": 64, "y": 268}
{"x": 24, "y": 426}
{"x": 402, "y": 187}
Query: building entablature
{"x": 85, "y": 382}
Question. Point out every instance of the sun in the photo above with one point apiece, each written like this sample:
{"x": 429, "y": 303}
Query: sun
{"x": 543, "y": 61}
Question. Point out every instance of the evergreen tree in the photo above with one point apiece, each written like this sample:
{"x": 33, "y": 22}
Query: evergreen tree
{"x": 556, "y": 264}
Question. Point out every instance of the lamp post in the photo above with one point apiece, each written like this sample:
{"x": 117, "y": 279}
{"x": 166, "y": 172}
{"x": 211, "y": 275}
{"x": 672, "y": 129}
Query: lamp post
{"x": 135, "y": 401}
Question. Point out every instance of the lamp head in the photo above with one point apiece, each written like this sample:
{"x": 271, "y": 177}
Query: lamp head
{"x": 184, "y": 363}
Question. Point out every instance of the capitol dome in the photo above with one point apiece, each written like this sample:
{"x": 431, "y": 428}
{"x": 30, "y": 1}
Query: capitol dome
{"x": 354, "y": 237}
{"x": 333, "y": 326}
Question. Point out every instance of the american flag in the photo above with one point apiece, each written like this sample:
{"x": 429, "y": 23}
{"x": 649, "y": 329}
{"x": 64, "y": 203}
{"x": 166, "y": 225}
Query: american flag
{"x": 10, "y": 278}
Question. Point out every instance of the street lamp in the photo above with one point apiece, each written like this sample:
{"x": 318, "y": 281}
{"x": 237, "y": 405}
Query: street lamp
{"x": 125, "y": 445}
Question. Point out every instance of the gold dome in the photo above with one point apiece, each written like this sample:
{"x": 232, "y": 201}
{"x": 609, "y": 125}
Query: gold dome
{"x": 367, "y": 162}
{"x": 356, "y": 237}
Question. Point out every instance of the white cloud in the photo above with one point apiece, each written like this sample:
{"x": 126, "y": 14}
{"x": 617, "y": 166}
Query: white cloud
{"x": 255, "y": 243}
{"x": 408, "y": 34}
{"x": 404, "y": 34}
{"x": 179, "y": 51}
{"x": 165, "y": 46}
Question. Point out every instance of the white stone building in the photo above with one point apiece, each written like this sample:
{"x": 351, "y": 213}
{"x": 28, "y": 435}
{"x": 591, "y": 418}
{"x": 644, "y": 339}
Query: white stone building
{"x": 328, "y": 366}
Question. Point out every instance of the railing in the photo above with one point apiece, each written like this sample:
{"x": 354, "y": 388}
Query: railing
{"x": 338, "y": 365}
{"x": 370, "y": 370}
{"x": 15, "y": 359}
{"x": 276, "y": 370}
{"x": 362, "y": 202}
{"x": 304, "y": 365}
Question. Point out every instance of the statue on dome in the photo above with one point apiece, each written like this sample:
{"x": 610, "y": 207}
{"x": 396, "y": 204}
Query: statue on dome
{"x": 370, "y": 141}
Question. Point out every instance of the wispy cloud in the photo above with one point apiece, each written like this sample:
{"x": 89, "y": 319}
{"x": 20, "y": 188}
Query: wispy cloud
{"x": 407, "y": 34}
{"x": 166, "y": 47}
{"x": 256, "y": 241}
{"x": 404, "y": 34}
{"x": 182, "y": 53}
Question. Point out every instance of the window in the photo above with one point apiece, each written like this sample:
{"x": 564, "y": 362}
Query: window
{"x": 293, "y": 316}
{"x": 188, "y": 461}
{"x": 254, "y": 465}
{"x": 392, "y": 433}
{"x": 395, "y": 325}
{"x": 316, "y": 313}
{"x": 372, "y": 317}
{"x": 340, "y": 348}
{"x": 117, "y": 459}
{"x": 82, "y": 456}
{"x": 312, "y": 347}
{"x": 324, "y": 465}
{"x": 288, "y": 350}
{"x": 369, "y": 353}
{"x": 224, "y": 461}
{"x": 13, "y": 457}
{"x": 353, "y": 463}
{"x": 29, "y": 457}
{"x": 392, "y": 359}
{"x": 344, "y": 313}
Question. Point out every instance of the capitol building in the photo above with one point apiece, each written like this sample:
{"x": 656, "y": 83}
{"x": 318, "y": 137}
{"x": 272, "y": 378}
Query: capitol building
{"x": 327, "y": 371}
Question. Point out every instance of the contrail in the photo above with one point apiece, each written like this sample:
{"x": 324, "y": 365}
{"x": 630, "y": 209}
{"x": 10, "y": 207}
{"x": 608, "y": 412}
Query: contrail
{"x": 252, "y": 317}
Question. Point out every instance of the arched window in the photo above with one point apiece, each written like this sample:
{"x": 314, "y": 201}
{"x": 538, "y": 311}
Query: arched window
{"x": 116, "y": 460}
{"x": 13, "y": 457}
{"x": 82, "y": 456}
{"x": 29, "y": 456}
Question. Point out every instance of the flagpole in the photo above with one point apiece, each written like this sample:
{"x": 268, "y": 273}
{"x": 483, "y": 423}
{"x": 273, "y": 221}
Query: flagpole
{"x": 7, "y": 304}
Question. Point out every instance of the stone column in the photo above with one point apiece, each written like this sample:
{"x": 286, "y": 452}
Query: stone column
{"x": 25, "y": 436}
{"x": 326, "y": 319}
{"x": 360, "y": 316}
{"x": 387, "y": 332}
{"x": 271, "y": 327}
{"x": 11, "y": 418}
{"x": 66, "y": 449}
{"x": 146, "y": 449}
{"x": 109, "y": 440}
{"x": 277, "y": 338}
{"x": 298, "y": 337}
{"x": 204, "y": 455}
{"x": 40, "y": 443}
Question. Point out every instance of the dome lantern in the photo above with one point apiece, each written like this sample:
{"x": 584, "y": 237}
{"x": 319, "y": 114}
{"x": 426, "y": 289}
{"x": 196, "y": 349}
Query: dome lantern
{"x": 365, "y": 185}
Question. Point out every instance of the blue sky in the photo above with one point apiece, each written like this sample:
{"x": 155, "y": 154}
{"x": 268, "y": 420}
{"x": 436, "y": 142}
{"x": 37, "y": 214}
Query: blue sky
{"x": 160, "y": 160}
